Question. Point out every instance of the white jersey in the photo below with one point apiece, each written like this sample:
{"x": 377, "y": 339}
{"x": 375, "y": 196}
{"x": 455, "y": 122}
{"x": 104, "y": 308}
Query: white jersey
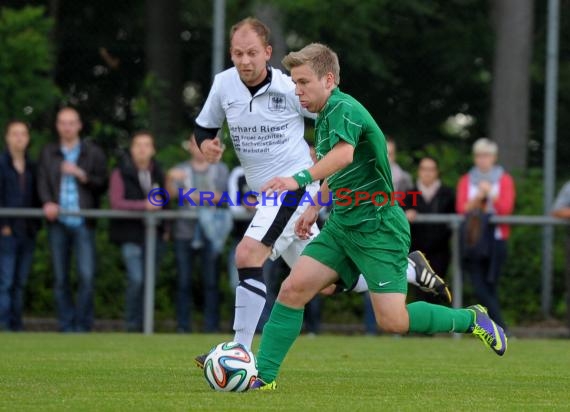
{"x": 267, "y": 130}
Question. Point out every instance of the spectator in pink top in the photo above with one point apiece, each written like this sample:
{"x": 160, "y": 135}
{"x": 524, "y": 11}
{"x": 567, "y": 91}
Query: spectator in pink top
{"x": 136, "y": 174}
{"x": 485, "y": 191}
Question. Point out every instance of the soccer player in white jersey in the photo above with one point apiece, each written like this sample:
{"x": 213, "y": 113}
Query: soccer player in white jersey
{"x": 266, "y": 124}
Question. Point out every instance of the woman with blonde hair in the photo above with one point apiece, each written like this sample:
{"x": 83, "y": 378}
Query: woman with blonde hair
{"x": 486, "y": 190}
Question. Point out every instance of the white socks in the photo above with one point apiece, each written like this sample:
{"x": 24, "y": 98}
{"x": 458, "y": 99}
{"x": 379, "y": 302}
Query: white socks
{"x": 250, "y": 300}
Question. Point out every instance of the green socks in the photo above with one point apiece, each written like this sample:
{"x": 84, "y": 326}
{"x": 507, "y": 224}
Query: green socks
{"x": 279, "y": 333}
{"x": 430, "y": 319}
{"x": 284, "y": 325}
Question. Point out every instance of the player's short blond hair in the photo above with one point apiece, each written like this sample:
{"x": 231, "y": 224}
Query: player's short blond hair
{"x": 320, "y": 58}
{"x": 256, "y": 25}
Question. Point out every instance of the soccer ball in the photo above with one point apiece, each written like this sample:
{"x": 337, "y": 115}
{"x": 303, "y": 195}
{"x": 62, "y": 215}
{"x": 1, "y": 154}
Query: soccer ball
{"x": 230, "y": 367}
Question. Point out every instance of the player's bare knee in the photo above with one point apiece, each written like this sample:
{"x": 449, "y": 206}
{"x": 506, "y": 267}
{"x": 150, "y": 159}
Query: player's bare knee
{"x": 243, "y": 255}
{"x": 287, "y": 291}
{"x": 290, "y": 294}
{"x": 250, "y": 254}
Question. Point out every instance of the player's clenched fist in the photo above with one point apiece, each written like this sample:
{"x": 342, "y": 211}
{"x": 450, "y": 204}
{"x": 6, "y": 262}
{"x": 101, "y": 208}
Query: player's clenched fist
{"x": 212, "y": 149}
{"x": 305, "y": 222}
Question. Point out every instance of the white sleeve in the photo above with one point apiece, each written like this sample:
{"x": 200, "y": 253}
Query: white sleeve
{"x": 212, "y": 114}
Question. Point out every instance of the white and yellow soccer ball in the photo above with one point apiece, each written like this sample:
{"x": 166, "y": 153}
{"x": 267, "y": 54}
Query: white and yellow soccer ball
{"x": 230, "y": 367}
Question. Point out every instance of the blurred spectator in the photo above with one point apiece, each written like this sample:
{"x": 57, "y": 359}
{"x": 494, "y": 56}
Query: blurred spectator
{"x": 136, "y": 174}
{"x": 205, "y": 235}
{"x": 432, "y": 239}
{"x": 17, "y": 235}
{"x": 485, "y": 191}
{"x": 401, "y": 179}
{"x": 72, "y": 176}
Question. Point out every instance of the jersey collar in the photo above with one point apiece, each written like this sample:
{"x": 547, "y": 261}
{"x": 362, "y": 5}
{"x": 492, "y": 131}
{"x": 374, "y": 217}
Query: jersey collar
{"x": 334, "y": 92}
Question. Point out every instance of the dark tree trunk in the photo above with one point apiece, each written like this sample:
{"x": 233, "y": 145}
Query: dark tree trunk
{"x": 271, "y": 17}
{"x": 164, "y": 61}
{"x": 53, "y": 12}
{"x": 513, "y": 21}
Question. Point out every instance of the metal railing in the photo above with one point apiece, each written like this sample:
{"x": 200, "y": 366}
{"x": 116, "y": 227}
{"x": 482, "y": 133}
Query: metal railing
{"x": 151, "y": 220}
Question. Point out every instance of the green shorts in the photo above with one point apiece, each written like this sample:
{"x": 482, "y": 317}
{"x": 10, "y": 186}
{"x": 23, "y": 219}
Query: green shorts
{"x": 381, "y": 256}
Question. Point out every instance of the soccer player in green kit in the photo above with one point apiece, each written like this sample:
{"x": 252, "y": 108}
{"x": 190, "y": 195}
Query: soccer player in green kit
{"x": 365, "y": 235}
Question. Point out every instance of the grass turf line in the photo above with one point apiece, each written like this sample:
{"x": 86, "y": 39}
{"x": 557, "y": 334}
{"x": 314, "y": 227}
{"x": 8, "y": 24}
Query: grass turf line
{"x": 118, "y": 372}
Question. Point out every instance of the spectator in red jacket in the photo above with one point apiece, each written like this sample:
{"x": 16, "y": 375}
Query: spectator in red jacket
{"x": 486, "y": 190}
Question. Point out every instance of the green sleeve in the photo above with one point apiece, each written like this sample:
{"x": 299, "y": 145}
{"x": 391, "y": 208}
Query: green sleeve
{"x": 344, "y": 125}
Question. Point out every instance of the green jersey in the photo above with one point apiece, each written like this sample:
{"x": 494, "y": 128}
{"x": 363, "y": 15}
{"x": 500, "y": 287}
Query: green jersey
{"x": 363, "y": 188}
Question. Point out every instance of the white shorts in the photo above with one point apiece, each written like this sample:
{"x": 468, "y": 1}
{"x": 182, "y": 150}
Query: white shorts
{"x": 274, "y": 223}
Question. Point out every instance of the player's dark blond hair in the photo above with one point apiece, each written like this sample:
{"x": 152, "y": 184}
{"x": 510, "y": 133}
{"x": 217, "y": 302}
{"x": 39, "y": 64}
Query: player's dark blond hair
{"x": 320, "y": 58}
{"x": 256, "y": 25}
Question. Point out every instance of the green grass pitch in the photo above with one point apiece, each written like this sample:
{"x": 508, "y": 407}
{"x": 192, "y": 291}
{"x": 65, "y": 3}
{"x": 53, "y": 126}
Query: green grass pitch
{"x": 119, "y": 372}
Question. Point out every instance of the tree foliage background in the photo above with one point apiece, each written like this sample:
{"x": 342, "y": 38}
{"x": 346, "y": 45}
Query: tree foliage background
{"x": 423, "y": 69}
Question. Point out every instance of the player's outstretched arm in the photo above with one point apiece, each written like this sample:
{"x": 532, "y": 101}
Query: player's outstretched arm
{"x": 338, "y": 158}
